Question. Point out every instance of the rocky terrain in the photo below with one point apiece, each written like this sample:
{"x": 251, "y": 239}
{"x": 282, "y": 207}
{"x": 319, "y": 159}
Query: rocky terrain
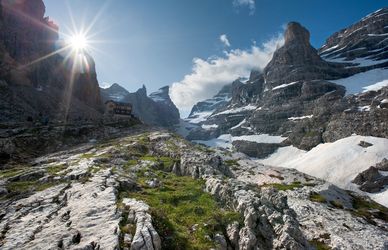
{"x": 156, "y": 109}
{"x": 154, "y": 190}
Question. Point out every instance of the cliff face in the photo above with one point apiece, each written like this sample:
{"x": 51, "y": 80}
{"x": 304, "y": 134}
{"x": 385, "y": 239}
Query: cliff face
{"x": 34, "y": 78}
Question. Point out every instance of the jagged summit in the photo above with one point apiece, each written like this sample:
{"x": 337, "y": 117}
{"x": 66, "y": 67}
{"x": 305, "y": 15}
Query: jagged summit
{"x": 295, "y": 32}
{"x": 162, "y": 95}
{"x": 296, "y": 60}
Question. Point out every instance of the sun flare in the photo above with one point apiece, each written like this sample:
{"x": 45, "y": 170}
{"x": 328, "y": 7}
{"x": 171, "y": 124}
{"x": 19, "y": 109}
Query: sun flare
{"x": 78, "y": 42}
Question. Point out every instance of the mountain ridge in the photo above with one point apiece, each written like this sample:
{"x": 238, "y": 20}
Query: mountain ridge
{"x": 160, "y": 112}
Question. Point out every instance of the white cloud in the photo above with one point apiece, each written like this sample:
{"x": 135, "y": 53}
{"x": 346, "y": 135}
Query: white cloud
{"x": 209, "y": 76}
{"x": 245, "y": 3}
{"x": 224, "y": 39}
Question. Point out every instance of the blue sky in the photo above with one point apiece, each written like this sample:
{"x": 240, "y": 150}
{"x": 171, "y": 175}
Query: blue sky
{"x": 154, "y": 42}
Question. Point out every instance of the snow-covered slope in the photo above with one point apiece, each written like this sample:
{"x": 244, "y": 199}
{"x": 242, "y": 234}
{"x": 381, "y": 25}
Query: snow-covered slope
{"x": 226, "y": 140}
{"x": 369, "y": 80}
{"x": 338, "y": 162}
{"x": 204, "y": 109}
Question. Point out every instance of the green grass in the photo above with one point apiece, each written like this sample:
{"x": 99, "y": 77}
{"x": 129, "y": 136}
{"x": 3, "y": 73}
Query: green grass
{"x": 284, "y": 187}
{"x": 127, "y": 166}
{"x": 317, "y": 198}
{"x": 168, "y": 162}
{"x": 20, "y": 187}
{"x": 54, "y": 170}
{"x": 7, "y": 173}
{"x": 369, "y": 210}
{"x": 337, "y": 204}
{"x": 311, "y": 133}
{"x": 233, "y": 162}
{"x": 177, "y": 206}
{"x": 319, "y": 245}
{"x": 87, "y": 156}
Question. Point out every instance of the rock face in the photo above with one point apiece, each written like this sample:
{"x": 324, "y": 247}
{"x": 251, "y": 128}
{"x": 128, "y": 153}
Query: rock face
{"x": 166, "y": 108}
{"x": 373, "y": 180}
{"x": 156, "y": 109}
{"x": 145, "y": 237}
{"x": 297, "y": 60}
{"x": 296, "y": 95}
{"x": 34, "y": 83}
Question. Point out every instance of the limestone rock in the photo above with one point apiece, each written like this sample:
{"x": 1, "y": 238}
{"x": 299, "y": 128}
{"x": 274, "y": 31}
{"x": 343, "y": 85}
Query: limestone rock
{"x": 145, "y": 238}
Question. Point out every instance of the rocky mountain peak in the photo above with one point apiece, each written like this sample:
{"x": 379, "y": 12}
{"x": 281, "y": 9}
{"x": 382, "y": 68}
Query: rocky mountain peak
{"x": 296, "y": 33}
{"x": 142, "y": 91}
{"x": 296, "y": 60}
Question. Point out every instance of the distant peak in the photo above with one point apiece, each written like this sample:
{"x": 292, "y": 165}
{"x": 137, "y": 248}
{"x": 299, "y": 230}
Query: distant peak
{"x": 295, "y": 32}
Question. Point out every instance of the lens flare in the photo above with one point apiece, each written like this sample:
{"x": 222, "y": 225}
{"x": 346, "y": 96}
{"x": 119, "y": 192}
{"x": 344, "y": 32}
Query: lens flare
{"x": 78, "y": 42}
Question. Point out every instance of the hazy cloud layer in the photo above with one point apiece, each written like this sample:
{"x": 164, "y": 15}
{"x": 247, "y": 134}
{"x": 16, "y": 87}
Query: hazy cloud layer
{"x": 224, "y": 39}
{"x": 209, "y": 76}
{"x": 245, "y": 3}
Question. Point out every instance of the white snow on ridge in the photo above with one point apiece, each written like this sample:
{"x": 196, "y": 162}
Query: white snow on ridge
{"x": 199, "y": 117}
{"x": 364, "y": 108}
{"x": 239, "y": 125}
{"x": 237, "y": 110}
{"x": 338, "y": 162}
{"x": 372, "y": 79}
{"x": 208, "y": 127}
{"x": 300, "y": 118}
{"x": 284, "y": 85}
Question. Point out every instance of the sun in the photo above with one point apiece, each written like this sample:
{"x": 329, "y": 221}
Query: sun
{"x": 78, "y": 42}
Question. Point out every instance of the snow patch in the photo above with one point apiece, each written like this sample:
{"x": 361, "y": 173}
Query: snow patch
{"x": 370, "y": 80}
{"x": 338, "y": 162}
{"x": 226, "y": 140}
{"x": 284, "y": 85}
{"x": 364, "y": 108}
{"x": 199, "y": 117}
{"x": 239, "y": 125}
{"x": 300, "y": 118}
{"x": 237, "y": 110}
{"x": 208, "y": 127}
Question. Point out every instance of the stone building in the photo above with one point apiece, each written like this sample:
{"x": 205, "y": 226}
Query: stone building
{"x": 118, "y": 109}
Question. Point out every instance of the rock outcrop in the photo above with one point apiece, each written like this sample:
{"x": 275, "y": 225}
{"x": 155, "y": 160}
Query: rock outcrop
{"x": 297, "y": 60}
{"x": 145, "y": 237}
{"x": 372, "y": 180}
